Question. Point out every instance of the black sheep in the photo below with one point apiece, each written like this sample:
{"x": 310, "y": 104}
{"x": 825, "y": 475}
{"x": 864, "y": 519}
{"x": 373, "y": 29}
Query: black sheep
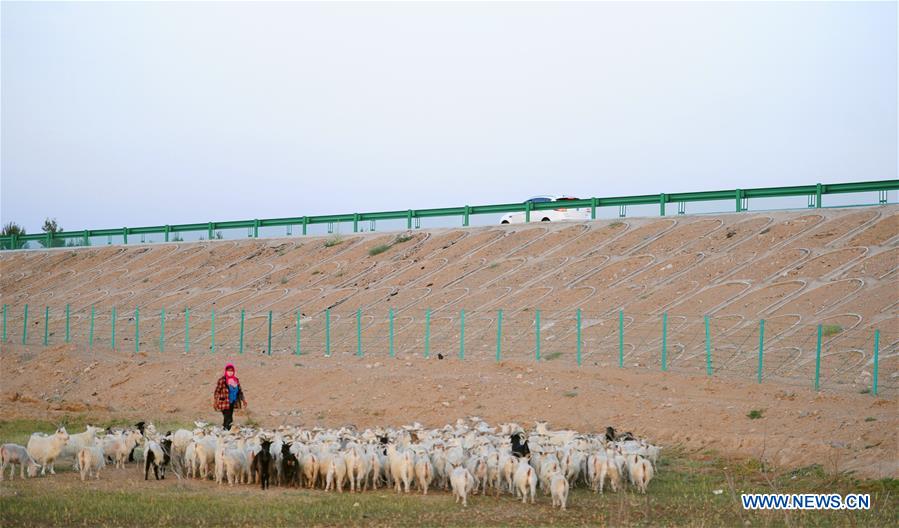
{"x": 289, "y": 465}
{"x": 262, "y": 463}
{"x": 150, "y": 459}
{"x": 519, "y": 449}
{"x": 140, "y": 427}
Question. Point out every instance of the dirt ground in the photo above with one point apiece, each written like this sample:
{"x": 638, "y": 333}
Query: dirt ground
{"x": 840, "y": 431}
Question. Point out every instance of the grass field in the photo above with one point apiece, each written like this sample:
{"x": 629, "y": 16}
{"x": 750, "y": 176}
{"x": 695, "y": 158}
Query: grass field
{"x": 682, "y": 494}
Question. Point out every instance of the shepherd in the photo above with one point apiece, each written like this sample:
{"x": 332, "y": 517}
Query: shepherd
{"x": 228, "y": 395}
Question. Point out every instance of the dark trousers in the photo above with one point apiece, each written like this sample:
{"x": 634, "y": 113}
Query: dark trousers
{"x": 228, "y": 415}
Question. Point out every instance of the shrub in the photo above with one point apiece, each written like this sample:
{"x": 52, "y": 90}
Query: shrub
{"x": 829, "y": 330}
{"x": 755, "y": 414}
{"x": 402, "y": 238}
{"x": 377, "y": 250}
{"x": 333, "y": 241}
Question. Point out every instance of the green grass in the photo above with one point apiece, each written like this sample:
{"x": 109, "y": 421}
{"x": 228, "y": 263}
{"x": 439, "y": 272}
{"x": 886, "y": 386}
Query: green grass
{"x": 755, "y": 414}
{"x": 333, "y": 241}
{"x": 829, "y": 330}
{"x": 570, "y": 394}
{"x": 681, "y": 494}
{"x": 377, "y": 250}
{"x": 551, "y": 356}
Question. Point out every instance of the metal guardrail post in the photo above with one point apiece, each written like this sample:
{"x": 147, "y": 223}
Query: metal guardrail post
{"x": 761, "y": 347}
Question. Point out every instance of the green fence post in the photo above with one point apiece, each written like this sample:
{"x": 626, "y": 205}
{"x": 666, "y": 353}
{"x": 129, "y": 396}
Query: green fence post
{"x": 527, "y": 212}
{"x": 162, "y": 330}
{"x": 620, "y": 338}
{"x": 818, "y": 358}
{"x": 708, "y": 348}
{"x": 305, "y": 223}
{"x": 243, "y": 314}
{"x": 876, "y": 362}
{"x": 359, "y": 332}
{"x": 665, "y": 342}
{"x": 86, "y": 239}
{"x": 4, "y": 323}
{"x": 409, "y": 219}
{"x": 328, "y": 332}
{"x": 390, "y": 331}
{"x": 761, "y": 347}
{"x": 46, "y": 324}
{"x": 355, "y": 222}
{"x": 187, "y": 329}
{"x": 465, "y": 216}
{"x": 818, "y": 192}
{"x": 739, "y": 197}
{"x": 68, "y": 319}
{"x": 125, "y": 235}
{"x": 297, "y": 348}
{"x": 427, "y": 333}
{"x": 212, "y": 331}
{"x": 113, "y": 327}
{"x": 537, "y": 333}
{"x": 136, "y": 329}
{"x": 593, "y": 208}
{"x": 662, "y": 204}
{"x": 579, "y": 337}
{"x": 168, "y": 229}
{"x": 90, "y": 339}
{"x": 499, "y": 334}
{"x": 256, "y": 228}
{"x": 269, "y": 332}
{"x": 461, "y": 334}
{"x": 25, "y": 326}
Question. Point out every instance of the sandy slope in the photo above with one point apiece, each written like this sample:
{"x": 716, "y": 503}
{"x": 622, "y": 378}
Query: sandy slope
{"x": 839, "y": 431}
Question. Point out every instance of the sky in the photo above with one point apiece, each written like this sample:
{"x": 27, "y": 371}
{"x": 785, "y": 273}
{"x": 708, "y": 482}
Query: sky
{"x": 128, "y": 114}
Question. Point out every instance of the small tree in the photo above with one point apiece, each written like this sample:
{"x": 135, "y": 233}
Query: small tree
{"x": 13, "y": 228}
{"x": 50, "y": 226}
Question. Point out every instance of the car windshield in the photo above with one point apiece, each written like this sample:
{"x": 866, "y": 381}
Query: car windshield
{"x": 538, "y": 199}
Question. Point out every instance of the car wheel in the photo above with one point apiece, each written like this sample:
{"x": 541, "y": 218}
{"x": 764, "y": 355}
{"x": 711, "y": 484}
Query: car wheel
{"x": 504, "y": 222}
{"x": 545, "y": 220}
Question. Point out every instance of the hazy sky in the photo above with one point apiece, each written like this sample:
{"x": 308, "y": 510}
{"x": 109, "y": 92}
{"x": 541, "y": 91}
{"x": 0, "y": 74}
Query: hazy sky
{"x": 125, "y": 114}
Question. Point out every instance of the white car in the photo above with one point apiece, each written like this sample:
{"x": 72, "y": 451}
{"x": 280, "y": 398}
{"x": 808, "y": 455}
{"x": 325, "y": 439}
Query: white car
{"x": 548, "y": 215}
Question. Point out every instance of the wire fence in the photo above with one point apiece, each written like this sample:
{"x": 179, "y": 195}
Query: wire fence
{"x": 862, "y": 357}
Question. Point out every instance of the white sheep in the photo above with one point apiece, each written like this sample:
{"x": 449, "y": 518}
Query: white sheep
{"x": 118, "y": 446}
{"x": 337, "y": 471}
{"x": 402, "y": 467}
{"x": 235, "y": 464}
{"x": 462, "y": 482}
{"x": 45, "y": 448}
{"x": 79, "y": 440}
{"x": 90, "y": 460}
{"x": 558, "y": 486}
{"x": 310, "y": 466}
{"x": 478, "y": 467}
{"x": 13, "y": 454}
{"x": 640, "y": 471}
{"x": 424, "y": 472}
{"x": 525, "y": 481}
{"x": 597, "y": 470}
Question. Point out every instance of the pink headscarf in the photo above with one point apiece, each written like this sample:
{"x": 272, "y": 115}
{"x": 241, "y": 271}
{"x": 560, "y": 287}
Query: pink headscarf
{"x": 232, "y": 379}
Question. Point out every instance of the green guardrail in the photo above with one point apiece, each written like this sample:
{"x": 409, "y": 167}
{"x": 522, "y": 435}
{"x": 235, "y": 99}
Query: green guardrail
{"x": 741, "y": 197}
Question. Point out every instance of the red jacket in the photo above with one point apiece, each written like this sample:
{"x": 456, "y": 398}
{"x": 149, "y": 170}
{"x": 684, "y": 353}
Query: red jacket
{"x": 220, "y": 397}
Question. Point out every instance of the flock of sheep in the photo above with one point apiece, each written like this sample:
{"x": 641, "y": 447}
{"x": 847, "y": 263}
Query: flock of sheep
{"x": 468, "y": 457}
